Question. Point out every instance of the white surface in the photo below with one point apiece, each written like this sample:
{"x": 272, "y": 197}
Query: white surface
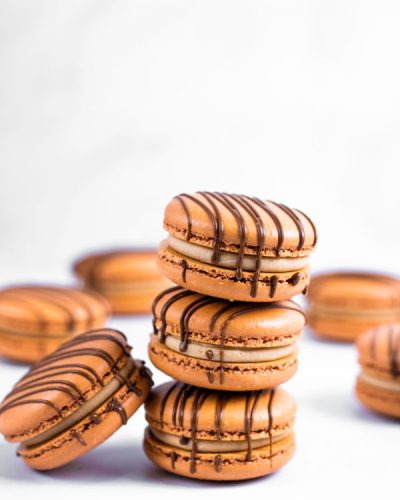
{"x": 107, "y": 109}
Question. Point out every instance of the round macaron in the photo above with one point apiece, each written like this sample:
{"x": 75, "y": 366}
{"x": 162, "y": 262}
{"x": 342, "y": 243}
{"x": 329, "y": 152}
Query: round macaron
{"x": 129, "y": 279}
{"x": 74, "y": 399}
{"x": 35, "y": 320}
{"x": 378, "y": 385}
{"x": 217, "y": 344}
{"x": 342, "y": 305}
{"x": 217, "y": 435}
{"x": 236, "y": 247}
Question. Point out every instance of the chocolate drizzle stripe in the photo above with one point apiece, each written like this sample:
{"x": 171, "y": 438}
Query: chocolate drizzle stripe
{"x": 32, "y": 401}
{"x": 164, "y": 402}
{"x": 188, "y": 216}
{"x": 394, "y": 351}
{"x": 275, "y": 219}
{"x": 157, "y": 300}
{"x": 71, "y": 367}
{"x": 297, "y": 222}
{"x": 270, "y": 420}
{"x": 164, "y": 310}
{"x": 219, "y": 227}
{"x": 251, "y": 403}
{"x": 115, "y": 405}
{"x": 311, "y": 224}
{"x": 25, "y": 387}
{"x": 185, "y": 318}
{"x": 197, "y": 403}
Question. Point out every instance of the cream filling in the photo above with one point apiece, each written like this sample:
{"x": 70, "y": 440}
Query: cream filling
{"x": 231, "y": 355}
{"x": 389, "y": 385}
{"x": 86, "y": 409}
{"x": 217, "y": 446}
{"x": 230, "y": 259}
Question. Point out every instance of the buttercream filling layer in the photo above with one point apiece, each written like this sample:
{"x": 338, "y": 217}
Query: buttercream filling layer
{"x": 230, "y": 259}
{"x": 212, "y": 352}
{"x": 217, "y": 446}
{"x": 389, "y": 385}
{"x": 86, "y": 409}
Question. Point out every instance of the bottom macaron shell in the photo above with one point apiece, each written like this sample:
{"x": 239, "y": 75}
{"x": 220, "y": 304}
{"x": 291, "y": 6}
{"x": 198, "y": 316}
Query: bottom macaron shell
{"x": 28, "y": 349}
{"x": 237, "y": 376}
{"x": 232, "y": 466}
{"x": 344, "y": 329}
{"x": 88, "y": 433}
{"x": 379, "y": 400}
{"x": 221, "y": 282}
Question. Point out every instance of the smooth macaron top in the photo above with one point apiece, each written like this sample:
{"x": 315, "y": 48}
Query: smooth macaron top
{"x": 118, "y": 266}
{"x": 355, "y": 290}
{"x": 173, "y": 407}
{"x": 51, "y": 310}
{"x": 379, "y": 349}
{"x": 198, "y": 317}
{"x": 240, "y": 224}
{"x": 63, "y": 382}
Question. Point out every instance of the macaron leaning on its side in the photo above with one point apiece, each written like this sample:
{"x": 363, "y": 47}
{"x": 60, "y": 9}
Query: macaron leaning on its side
{"x": 129, "y": 279}
{"x": 378, "y": 385}
{"x": 236, "y": 247}
{"x": 35, "y": 320}
{"x": 216, "y": 435}
{"x": 74, "y": 399}
{"x": 217, "y": 344}
{"x": 343, "y": 305}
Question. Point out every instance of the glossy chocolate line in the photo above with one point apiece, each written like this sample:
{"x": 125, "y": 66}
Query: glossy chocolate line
{"x": 197, "y": 403}
{"x": 57, "y": 373}
{"x": 160, "y": 296}
{"x": 82, "y": 339}
{"x": 72, "y": 368}
{"x": 25, "y": 387}
{"x": 222, "y": 399}
{"x": 164, "y": 310}
{"x": 184, "y": 269}
{"x": 187, "y": 314}
{"x": 260, "y": 228}
{"x": 33, "y": 401}
{"x": 164, "y": 402}
{"x": 214, "y": 222}
{"x": 299, "y": 225}
{"x": 275, "y": 219}
{"x": 115, "y": 405}
{"x": 223, "y": 198}
{"x": 219, "y": 225}
{"x": 270, "y": 423}
{"x": 252, "y": 397}
{"x": 188, "y": 216}
{"x": 312, "y": 225}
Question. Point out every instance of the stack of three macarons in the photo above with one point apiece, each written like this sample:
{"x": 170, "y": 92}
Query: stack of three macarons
{"x": 227, "y": 334}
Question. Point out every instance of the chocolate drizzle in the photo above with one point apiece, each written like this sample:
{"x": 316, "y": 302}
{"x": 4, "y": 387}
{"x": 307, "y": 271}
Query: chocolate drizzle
{"x": 183, "y": 395}
{"x": 391, "y": 333}
{"x": 237, "y": 206}
{"x": 197, "y": 302}
{"x": 76, "y": 435}
{"x": 46, "y": 377}
{"x": 115, "y": 405}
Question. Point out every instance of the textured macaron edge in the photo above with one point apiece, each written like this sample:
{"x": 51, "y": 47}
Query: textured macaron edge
{"x": 234, "y": 466}
{"x": 377, "y": 399}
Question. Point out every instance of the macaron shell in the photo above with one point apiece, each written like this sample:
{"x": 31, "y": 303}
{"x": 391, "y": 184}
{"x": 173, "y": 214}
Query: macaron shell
{"x": 355, "y": 292}
{"x": 379, "y": 349}
{"x": 51, "y": 310}
{"x": 234, "y": 467}
{"x": 221, "y": 282}
{"x": 283, "y": 410}
{"x": 344, "y": 328}
{"x": 378, "y": 400}
{"x": 259, "y": 325}
{"x": 237, "y": 376}
{"x": 86, "y": 435}
{"x": 128, "y": 279}
{"x": 185, "y": 210}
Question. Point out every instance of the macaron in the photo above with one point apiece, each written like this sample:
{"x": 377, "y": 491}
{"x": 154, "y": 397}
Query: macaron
{"x": 217, "y": 435}
{"x": 74, "y": 399}
{"x": 236, "y": 247}
{"x": 378, "y": 384}
{"x": 342, "y": 305}
{"x": 35, "y": 320}
{"x": 218, "y": 344}
{"x": 129, "y": 279}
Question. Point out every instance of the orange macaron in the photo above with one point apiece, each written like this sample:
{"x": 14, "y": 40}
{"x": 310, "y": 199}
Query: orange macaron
{"x": 378, "y": 385}
{"x": 218, "y": 344}
{"x": 219, "y": 436}
{"x": 35, "y": 320}
{"x": 236, "y": 247}
{"x": 74, "y": 399}
{"x": 128, "y": 279}
{"x": 342, "y": 305}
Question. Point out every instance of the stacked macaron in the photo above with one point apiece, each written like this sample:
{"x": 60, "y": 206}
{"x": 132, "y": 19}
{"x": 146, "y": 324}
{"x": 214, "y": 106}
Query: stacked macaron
{"x": 227, "y": 333}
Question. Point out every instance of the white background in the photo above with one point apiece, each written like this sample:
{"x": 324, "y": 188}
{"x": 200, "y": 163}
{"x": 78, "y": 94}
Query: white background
{"x": 109, "y": 108}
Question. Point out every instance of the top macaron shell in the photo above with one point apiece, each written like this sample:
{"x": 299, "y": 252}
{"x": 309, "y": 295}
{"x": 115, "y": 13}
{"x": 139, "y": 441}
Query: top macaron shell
{"x": 199, "y": 217}
{"x": 34, "y": 320}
